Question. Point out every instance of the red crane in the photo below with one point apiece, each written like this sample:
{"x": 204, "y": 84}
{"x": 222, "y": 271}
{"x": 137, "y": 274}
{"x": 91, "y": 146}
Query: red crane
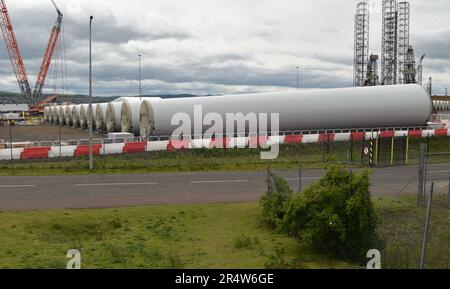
{"x": 14, "y": 53}
{"x": 17, "y": 60}
{"x": 53, "y": 40}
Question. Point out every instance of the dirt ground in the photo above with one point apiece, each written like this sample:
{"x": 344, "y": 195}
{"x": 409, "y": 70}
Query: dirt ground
{"x": 44, "y": 133}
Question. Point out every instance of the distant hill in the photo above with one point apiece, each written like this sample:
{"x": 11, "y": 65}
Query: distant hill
{"x": 13, "y": 98}
{"x": 9, "y": 94}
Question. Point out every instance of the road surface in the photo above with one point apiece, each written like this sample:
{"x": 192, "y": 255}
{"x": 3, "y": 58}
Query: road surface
{"x": 104, "y": 191}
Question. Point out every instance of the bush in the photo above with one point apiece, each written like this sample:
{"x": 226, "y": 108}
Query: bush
{"x": 274, "y": 202}
{"x": 335, "y": 215}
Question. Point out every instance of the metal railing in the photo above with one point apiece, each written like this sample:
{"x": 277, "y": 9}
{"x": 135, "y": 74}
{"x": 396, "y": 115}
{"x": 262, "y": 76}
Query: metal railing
{"x": 235, "y": 135}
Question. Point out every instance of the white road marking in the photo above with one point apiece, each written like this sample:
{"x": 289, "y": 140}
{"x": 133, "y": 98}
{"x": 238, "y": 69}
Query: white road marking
{"x": 218, "y": 181}
{"x": 437, "y": 172}
{"x": 17, "y": 186}
{"x": 113, "y": 184}
{"x": 306, "y": 178}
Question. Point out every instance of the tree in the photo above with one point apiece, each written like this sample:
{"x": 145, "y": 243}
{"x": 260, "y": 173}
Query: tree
{"x": 274, "y": 202}
{"x": 335, "y": 215}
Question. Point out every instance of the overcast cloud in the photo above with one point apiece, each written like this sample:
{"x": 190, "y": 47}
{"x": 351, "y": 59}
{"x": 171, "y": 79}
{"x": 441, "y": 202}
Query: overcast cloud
{"x": 215, "y": 46}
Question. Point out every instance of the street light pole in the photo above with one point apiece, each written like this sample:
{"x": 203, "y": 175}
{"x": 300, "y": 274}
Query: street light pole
{"x": 91, "y": 162}
{"x": 140, "y": 78}
{"x": 298, "y": 68}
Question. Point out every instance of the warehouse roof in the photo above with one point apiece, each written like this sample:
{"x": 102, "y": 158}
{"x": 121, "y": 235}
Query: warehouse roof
{"x": 13, "y": 107}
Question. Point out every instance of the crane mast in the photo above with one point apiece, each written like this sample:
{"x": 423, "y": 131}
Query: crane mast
{"x": 14, "y": 53}
{"x": 47, "y": 59}
{"x": 17, "y": 60}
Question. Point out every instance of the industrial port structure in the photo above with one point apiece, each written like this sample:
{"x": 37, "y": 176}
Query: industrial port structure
{"x": 31, "y": 97}
{"x": 357, "y": 107}
{"x": 398, "y": 64}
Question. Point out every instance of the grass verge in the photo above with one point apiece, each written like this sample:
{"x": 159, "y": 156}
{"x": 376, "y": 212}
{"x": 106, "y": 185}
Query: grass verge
{"x": 196, "y": 236}
{"x": 290, "y": 157}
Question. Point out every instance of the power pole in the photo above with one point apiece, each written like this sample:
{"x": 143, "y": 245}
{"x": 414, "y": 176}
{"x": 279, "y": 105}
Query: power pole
{"x": 91, "y": 162}
{"x": 140, "y": 78}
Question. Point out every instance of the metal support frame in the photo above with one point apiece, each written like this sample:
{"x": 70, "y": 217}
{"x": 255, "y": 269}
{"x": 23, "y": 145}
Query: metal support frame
{"x": 361, "y": 43}
{"x": 427, "y": 224}
{"x": 403, "y": 20}
{"x": 389, "y": 43}
{"x": 91, "y": 161}
{"x": 422, "y": 174}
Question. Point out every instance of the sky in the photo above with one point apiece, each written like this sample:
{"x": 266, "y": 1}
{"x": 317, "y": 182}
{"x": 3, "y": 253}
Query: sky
{"x": 205, "y": 47}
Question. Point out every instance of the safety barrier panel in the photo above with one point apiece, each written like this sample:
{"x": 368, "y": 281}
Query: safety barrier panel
{"x": 178, "y": 145}
{"x": 109, "y": 147}
{"x": 83, "y": 150}
{"x": 134, "y": 147}
{"x": 293, "y": 139}
{"x": 415, "y": 133}
{"x": 35, "y": 153}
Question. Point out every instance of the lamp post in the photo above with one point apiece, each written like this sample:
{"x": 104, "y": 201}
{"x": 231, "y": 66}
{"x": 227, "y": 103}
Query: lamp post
{"x": 140, "y": 78}
{"x": 91, "y": 162}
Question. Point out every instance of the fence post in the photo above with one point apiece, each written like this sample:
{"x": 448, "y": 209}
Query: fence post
{"x": 351, "y": 147}
{"x": 407, "y": 151}
{"x": 11, "y": 124}
{"x": 372, "y": 152}
{"x": 60, "y": 148}
{"x": 363, "y": 148}
{"x": 422, "y": 175}
{"x": 392, "y": 151}
{"x": 300, "y": 180}
{"x": 427, "y": 223}
{"x": 449, "y": 189}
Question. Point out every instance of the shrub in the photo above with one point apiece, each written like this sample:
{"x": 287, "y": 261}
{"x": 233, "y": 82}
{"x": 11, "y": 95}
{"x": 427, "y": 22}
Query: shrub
{"x": 243, "y": 242}
{"x": 280, "y": 259}
{"x": 335, "y": 215}
{"x": 274, "y": 202}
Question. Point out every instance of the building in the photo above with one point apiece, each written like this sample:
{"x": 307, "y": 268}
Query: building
{"x": 12, "y": 111}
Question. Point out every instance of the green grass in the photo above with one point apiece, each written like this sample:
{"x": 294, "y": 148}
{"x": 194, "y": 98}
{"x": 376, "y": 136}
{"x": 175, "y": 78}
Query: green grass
{"x": 194, "y": 236}
{"x": 198, "y": 236}
{"x": 402, "y": 229}
{"x": 291, "y": 156}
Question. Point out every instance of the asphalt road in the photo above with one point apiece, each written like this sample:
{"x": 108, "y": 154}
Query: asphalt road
{"x": 104, "y": 191}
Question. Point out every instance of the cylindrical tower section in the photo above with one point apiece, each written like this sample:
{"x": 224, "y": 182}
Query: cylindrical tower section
{"x": 100, "y": 116}
{"x": 45, "y": 117}
{"x": 362, "y": 107}
{"x": 62, "y": 115}
{"x": 52, "y": 114}
{"x": 56, "y": 114}
{"x": 113, "y": 113}
{"x": 69, "y": 109}
{"x": 76, "y": 115}
{"x": 84, "y": 116}
{"x": 130, "y": 114}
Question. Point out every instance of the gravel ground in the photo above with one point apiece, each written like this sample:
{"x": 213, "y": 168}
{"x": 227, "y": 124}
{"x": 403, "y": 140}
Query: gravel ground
{"x": 43, "y": 133}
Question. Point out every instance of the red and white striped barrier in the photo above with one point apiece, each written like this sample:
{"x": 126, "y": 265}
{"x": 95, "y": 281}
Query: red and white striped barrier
{"x": 71, "y": 151}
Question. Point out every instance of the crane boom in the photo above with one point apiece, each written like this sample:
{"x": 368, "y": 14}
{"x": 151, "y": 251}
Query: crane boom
{"x": 47, "y": 59}
{"x": 14, "y": 53}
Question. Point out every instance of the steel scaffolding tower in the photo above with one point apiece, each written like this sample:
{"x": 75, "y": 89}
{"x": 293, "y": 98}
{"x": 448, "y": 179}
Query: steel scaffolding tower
{"x": 361, "y": 43}
{"x": 389, "y": 43}
{"x": 403, "y": 12}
